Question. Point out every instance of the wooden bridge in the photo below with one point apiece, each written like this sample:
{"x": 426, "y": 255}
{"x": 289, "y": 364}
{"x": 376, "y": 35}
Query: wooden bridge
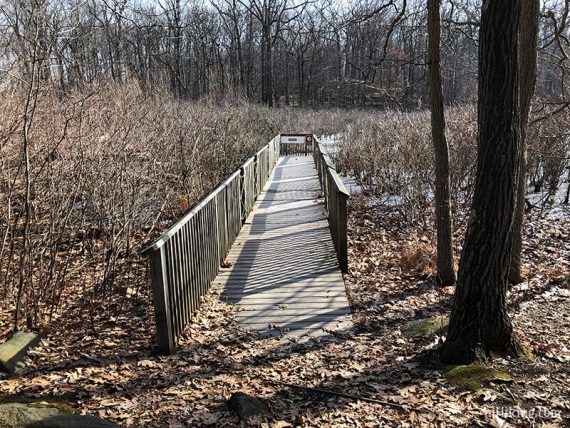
{"x": 272, "y": 237}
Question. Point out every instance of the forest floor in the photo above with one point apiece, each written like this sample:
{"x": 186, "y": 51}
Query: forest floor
{"x": 106, "y": 366}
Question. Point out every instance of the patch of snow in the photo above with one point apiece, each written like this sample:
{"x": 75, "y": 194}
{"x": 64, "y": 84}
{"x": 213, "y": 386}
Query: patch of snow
{"x": 555, "y": 209}
{"x": 331, "y": 143}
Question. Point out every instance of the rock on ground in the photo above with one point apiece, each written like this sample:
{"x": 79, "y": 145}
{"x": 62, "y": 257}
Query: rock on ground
{"x": 20, "y": 415}
{"x": 245, "y": 406}
{"x": 14, "y": 350}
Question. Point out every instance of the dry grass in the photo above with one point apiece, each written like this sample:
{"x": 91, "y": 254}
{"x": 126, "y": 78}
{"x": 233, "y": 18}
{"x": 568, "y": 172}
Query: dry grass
{"x": 112, "y": 167}
{"x": 418, "y": 257}
{"x": 392, "y": 154}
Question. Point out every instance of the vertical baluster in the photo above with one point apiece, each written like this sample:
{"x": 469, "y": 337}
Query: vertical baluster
{"x": 208, "y": 240}
{"x": 199, "y": 256}
{"x": 230, "y": 208}
{"x": 195, "y": 262}
{"x": 208, "y": 223}
{"x": 184, "y": 274}
{"x": 204, "y": 252}
{"x": 172, "y": 288}
{"x": 212, "y": 239}
{"x": 178, "y": 283}
{"x": 215, "y": 239}
{"x": 217, "y": 235}
{"x": 220, "y": 224}
{"x": 235, "y": 204}
{"x": 186, "y": 270}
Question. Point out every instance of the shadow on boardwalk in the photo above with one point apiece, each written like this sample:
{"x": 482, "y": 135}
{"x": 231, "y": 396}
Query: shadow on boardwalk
{"x": 284, "y": 275}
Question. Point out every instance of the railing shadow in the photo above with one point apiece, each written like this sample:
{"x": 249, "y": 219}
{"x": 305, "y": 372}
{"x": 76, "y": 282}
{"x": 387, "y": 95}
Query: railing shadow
{"x": 285, "y": 274}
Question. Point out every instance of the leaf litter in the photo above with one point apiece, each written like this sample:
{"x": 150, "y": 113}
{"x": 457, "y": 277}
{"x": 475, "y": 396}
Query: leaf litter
{"x": 109, "y": 368}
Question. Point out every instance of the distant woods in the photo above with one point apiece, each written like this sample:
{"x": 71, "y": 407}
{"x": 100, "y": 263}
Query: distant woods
{"x": 278, "y": 52}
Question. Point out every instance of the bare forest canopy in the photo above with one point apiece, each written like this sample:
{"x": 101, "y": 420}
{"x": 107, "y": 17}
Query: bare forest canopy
{"x": 279, "y": 52}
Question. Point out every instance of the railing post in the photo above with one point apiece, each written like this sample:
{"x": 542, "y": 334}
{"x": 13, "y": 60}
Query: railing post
{"x": 342, "y": 233}
{"x": 256, "y": 189}
{"x": 242, "y": 190}
{"x": 164, "y": 333}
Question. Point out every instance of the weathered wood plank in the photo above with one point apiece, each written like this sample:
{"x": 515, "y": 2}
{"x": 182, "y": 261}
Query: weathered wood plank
{"x": 271, "y": 304}
{"x": 186, "y": 258}
{"x": 283, "y": 261}
{"x": 283, "y": 268}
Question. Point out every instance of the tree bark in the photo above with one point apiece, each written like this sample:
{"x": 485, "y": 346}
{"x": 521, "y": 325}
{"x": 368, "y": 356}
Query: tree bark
{"x": 567, "y": 197}
{"x": 528, "y": 39}
{"x": 266, "y": 67}
{"x": 479, "y": 321}
{"x": 445, "y": 267}
{"x": 269, "y": 71}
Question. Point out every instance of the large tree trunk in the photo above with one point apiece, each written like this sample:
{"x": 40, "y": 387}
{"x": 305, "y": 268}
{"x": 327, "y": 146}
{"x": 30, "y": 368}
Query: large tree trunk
{"x": 479, "y": 321}
{"x": 445, "y": 267}
{"x": 528, "y": 36}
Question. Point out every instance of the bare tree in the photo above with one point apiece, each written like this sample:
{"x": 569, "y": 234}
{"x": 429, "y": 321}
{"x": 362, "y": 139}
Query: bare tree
{"x": 272, "y": 16}
{"x": 528, "y": 42}
{"x": 479, "y": 320}
{"x": 445, "y": 262}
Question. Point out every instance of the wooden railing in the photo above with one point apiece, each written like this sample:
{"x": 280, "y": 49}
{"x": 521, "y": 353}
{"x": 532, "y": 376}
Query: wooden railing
{"x": 335, "y": 195}
{"x": 185, "y": 260}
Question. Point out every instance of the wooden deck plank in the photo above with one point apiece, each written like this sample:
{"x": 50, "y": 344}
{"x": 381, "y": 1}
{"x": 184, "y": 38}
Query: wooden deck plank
{"x": 266, "y": 305}
{"x": 283, "y": 272}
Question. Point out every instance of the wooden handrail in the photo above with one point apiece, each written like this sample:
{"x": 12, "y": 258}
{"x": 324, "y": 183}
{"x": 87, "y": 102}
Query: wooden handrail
{"x": 159, "y": 242}
{"x": 187, "y": 257}
{"x": 336, "y": 196}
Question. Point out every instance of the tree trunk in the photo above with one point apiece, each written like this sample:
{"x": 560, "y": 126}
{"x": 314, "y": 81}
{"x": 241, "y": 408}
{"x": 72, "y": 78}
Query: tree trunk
{"x": 528, "y": 36}
{"x": 445, "y": 268}
{"x": 264, "y": 68}
{"x": 567, "y": 197}
{"x": 479, "y": 321}
{"x": 269, "y": 70}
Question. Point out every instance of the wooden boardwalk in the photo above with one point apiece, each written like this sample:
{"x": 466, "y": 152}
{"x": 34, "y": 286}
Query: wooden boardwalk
{"x": 282, "y": 269}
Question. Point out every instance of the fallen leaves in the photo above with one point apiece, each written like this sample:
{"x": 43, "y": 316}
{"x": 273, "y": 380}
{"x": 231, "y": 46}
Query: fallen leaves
{"x": 108, "y": 368}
